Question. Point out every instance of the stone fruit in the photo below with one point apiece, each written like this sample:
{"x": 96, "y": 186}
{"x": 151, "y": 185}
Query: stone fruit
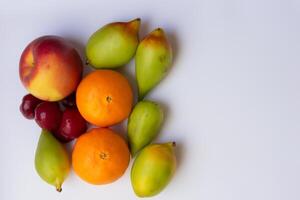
{"x": 144, "y": 124}
{"x": 153, "y": 169}
{"x": 104, "y": 98}
{"x": 72, "y": 125}
{"x": 152, "y": 61}
{"x": 51, "y": 160}
{"x": 50, "y": 68}
{"x": 100, "y": 156}
{"x": 28, "y": 105}
{"x": 48, "y": 116}
{"x": 113, "y": 45}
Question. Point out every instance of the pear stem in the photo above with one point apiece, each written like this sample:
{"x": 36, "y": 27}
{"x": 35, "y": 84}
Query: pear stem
{"x": 171, "y": 144}
{"x": 137, "y": 19}
{"x": 174, "y": 144}
{"x": 58, "y": 189}
{"x": 58, "y": 186}
{"x": 135, "y": 24}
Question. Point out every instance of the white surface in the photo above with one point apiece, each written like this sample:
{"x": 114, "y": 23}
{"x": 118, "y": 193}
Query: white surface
{"x": 233, "y": 95}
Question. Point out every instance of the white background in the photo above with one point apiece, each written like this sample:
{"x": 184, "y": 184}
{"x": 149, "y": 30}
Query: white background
{"x": 232, "y": 96}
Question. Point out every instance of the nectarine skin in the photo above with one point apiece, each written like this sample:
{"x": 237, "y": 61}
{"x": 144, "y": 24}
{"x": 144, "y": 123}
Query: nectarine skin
{"x": 50, "y": 68}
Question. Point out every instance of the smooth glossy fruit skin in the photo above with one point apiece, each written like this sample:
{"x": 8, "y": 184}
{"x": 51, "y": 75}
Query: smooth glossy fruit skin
{"x": 50, "y": 68}
{"x": 72, "y": 125}
{"x": 113, "y": 45}
{"x": 104, "y": 98}
{"x": 144, "y": 124}
{"x": 100, "y": 156}
{"x": 152, "y": 61}
{"x": 28, "y": 105}
{"x": 48, "y": 115}
{"x": 51, "y": 160}
{"x": 153, "y": 169}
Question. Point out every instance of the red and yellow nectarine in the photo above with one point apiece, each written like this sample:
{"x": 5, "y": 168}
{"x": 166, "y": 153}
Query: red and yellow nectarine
{"x": 50, "y": 68}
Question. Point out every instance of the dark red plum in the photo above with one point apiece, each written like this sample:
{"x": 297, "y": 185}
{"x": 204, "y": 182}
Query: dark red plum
{"x": 28, "y": 105}
{"x": 48, "y": 116}
{"x": 72, "y": 125}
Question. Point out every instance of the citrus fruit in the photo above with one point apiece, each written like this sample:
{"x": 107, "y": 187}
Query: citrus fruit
{"x": 100, "y": 156}
{"x": 104, "y": 98}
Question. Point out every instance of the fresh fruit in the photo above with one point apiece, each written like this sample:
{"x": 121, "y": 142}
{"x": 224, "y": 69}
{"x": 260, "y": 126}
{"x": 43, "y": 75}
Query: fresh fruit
{"x": 100, "y": 156}
{"x": 113, "y": 45}
{"x": 153, "y": 169}
{"x": 50, "y": 68}
{"x": 71, "y": 126}
{"x": 48, "y": 115}
{"x": 144, "y": 124}
{"x": 104, "y": 98}
{"x": 51, "y": 160}
{"x": 69, "y": 101}
{"x": 152, "y": 61}
{"x": 28, "y": 105}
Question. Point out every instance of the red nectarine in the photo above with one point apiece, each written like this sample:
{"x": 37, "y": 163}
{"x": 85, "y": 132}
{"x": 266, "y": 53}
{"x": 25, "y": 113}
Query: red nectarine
{"x": 50, "y": 68}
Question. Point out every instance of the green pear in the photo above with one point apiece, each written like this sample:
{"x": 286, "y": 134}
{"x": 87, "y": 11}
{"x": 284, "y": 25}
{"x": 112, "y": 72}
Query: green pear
{"x": 144, "y": 124}
{"x": 113, "y": 45}
{"x": 51, "y": 160}
{"x": 153, "y": 169}
{"x": 152, "y": 61}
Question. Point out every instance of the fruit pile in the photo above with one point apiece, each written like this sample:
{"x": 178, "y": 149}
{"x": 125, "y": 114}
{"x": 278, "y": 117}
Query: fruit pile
{"x": 65, "y": 106}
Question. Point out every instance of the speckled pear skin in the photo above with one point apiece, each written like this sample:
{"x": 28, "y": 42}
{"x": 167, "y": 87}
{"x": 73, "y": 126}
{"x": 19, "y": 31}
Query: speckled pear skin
{"x": 113, "y": 45}
{"x": 152, "y": 61}
{"x": 144, "y": 124}
{"x": 51, "y": 160}
{"x": 153, "y": 169}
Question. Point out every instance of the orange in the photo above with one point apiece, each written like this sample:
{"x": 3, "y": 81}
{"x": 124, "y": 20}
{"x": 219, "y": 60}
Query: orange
{"x": 100, "y": 156}
{"x": 104, "y": 98}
